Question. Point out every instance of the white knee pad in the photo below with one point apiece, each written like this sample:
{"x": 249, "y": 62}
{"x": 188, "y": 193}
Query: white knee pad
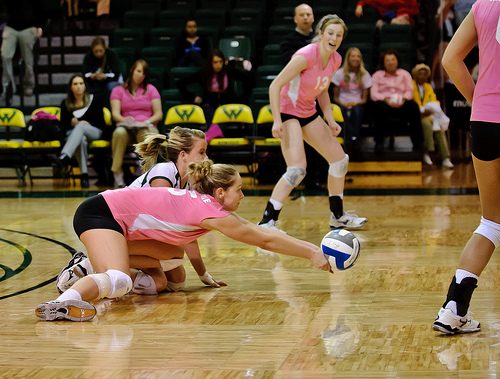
{"x": 170, "y": 264}
{"x": 113, "y": 283}
{"x": 144, "y": 284}
{"x": 490, "y": 230}
{"x": 294, "y": 175}
{"x": 175, "y": 287}
{"x": 339, "y": 169}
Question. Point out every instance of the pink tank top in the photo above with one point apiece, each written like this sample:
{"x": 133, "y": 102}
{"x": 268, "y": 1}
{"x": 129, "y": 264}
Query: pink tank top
{"x": 298, "y": 97}
{"x": 164, "y": 214}
{"x": 486, "y": 100}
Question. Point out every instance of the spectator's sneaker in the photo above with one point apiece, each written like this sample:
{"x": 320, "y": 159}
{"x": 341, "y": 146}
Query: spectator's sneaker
{"x": 271, "y": 224}
{"x": 347, "y": 220}
{"x": 72, "y": 309}
{"x": 78, "y": 267}
{"x": 449, "y": 323}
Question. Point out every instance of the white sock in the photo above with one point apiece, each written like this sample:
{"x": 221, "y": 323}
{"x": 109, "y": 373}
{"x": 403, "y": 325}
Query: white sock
{"x": 341, "y": 195}
{"x": 452, "y": 305}
{"x": 276, "y": 204}
{"x": 70, "y": 294}
{"x": 462, "y": 274}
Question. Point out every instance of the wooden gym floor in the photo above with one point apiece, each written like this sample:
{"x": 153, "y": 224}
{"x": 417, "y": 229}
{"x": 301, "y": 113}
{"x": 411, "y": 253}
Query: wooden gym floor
{"x": 278, "y": 317}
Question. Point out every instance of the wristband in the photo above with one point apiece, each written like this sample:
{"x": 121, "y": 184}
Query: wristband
{"x": 207, "y": 279}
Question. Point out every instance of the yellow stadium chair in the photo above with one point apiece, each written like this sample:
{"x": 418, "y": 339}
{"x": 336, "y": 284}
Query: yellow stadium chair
{"x": 43, "y": 153}
{"x": 270, "y": 162}
{"x": 100, "y": 153}
{"x": 236, "y": 147}
{"x": 12, "y": 129}
{"x": 185, "y": 114}
{"x": 56, "y": 111}
{"x": 337, "y": 116}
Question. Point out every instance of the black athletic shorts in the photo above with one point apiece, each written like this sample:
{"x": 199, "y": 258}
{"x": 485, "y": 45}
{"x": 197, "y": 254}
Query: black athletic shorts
{"x": 302, "y": 121}
{"x": 94, "y": 213}
{"x": 485, "y": 140}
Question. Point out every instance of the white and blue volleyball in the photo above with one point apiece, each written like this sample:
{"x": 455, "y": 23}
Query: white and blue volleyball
{"x": 341, "y": 248}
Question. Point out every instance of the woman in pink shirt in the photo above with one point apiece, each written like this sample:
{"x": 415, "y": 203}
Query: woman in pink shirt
{"x": 293, "y": 96}
{"x": 106, "y": 222}
{"x": 136, "y": 109}
{"x": 479, "y": 27}
{"x": 392, "y": 92}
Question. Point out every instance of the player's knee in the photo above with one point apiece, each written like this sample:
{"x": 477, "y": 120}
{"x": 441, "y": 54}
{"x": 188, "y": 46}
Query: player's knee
{"x": 175, "y": 287}
{"x": 294, "y": 175}
{"x": 113, "y": 283}
{"x": 339, "y": 169}
{"x": 145, "y": 284}
{"x": 490, "y": 230}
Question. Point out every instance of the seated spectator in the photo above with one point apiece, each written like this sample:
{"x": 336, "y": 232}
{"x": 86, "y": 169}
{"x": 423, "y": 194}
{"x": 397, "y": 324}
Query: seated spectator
{"x": 392, "y": 92}
{"x": 391, "y": 11}
{"x": 351, "y": 89}
{"x": 301, "y": 36}
{"x": 217, "y": 81}
{"x": 434, "y": 122}
{"x": 82, "y": 119}
{"x": 101, "y": 67}
{"x": 191, "y": 49}
{"x": 136, "y": 109}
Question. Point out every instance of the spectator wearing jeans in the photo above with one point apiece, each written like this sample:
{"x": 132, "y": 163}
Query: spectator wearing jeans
{"x": 23, "y": 28}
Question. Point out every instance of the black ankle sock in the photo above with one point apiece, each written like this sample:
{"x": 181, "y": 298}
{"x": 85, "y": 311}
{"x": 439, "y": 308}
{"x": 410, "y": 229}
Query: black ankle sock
{"x": 461, "y": 294}
{"x": 270, "y": 214}
{"x": 336, "y": 206}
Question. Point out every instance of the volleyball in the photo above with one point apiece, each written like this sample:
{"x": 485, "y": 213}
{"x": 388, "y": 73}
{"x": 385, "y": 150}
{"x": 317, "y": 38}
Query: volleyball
{"x": 341, "y": 248}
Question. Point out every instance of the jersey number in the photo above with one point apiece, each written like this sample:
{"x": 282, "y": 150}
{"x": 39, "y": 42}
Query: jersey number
{"x": 322, "y": 82}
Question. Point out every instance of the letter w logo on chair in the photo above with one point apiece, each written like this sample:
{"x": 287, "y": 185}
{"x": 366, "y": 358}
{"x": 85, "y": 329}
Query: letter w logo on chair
{"x": 185, "y": 114}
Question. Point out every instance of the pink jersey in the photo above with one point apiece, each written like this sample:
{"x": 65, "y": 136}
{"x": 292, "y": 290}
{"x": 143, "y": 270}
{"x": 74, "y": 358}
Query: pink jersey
{"x": 298, "y": 97}
{"x": 164, "y": 214}
{"x": 486, "y": 100}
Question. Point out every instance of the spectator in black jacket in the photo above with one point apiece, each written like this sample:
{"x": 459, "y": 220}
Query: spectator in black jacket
{"x": 101, "y": 67}
{"x": 82, "y": 119}
{"x": 191, "y": 49}
{"x": 302, "y": 35}
{"x": 217, "y": 81}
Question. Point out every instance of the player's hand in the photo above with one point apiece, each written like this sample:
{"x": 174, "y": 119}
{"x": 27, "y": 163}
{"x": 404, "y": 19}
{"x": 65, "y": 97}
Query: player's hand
{"x": 335, "y": 128}
{"x": 319, "y": 260}
{"x": 277, "y": 130}
{"x": 210, "y": 281}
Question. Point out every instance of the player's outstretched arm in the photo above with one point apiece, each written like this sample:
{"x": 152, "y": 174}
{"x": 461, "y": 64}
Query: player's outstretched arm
{"x": 281, "y": 243}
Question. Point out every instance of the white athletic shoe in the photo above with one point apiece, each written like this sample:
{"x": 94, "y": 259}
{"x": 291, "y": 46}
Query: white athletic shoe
{"x": 347, "y": 220}
{"x": 427, "y": 159}
{"x": 78, "y": 267}
{"x": 271, "y": 224}
{"x": 71, "y": 309}
{"x": 447, "y": 163}
{"x": 449, "y": 323}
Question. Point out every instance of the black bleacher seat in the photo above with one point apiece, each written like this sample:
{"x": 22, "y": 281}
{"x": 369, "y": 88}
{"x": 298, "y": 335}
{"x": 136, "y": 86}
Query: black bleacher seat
{"x": 152, "y": 5}
{"x": 174, "y": 18}
{"x": 145, "y": 19}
